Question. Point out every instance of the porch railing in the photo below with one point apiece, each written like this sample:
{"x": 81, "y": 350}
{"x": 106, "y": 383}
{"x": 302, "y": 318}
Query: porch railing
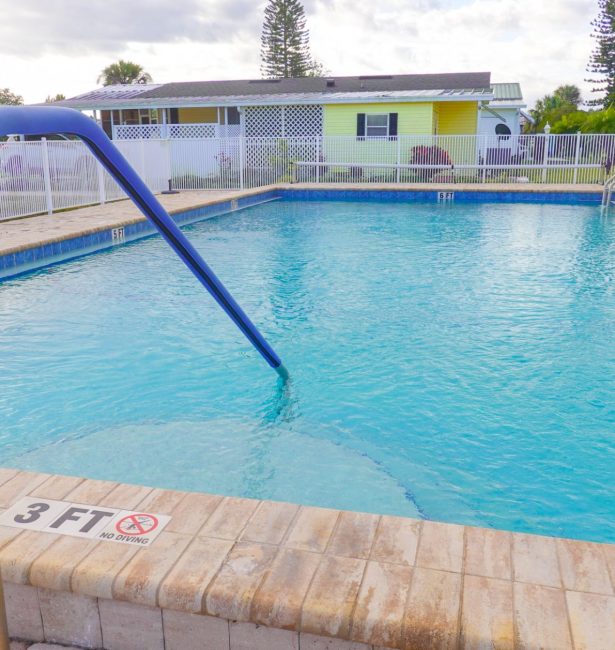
{"x": 47, "y": 176}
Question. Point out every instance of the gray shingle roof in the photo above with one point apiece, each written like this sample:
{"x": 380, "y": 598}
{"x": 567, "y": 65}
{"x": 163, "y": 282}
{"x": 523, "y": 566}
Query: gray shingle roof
{"x": 384, "y": 83}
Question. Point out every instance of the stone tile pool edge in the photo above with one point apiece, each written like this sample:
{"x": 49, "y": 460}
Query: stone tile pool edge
{"x": 42, "y": 251}
{"x": 241, "y": 574}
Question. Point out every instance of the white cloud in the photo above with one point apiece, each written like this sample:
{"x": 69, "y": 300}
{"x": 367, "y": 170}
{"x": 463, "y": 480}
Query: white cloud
{"x": 61, "y": 45}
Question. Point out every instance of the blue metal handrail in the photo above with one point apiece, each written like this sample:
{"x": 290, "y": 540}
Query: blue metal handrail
{"x": 43, "y": 120}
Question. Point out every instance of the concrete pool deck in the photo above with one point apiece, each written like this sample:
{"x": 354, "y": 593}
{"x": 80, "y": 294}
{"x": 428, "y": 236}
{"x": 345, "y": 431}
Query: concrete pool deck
{"x": 240, "y": 574}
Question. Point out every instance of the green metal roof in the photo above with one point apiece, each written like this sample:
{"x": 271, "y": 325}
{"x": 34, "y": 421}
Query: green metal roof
{"x": 507, "y": 92}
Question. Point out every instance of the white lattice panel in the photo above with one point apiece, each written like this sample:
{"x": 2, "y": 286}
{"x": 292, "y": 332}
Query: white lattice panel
{"x": 283, "y": 121}
{"x": 137, "y": 131}
{"x": 303, "y": 121}
{"x": 189, "y": 131}
{"x": 264, "y": 122}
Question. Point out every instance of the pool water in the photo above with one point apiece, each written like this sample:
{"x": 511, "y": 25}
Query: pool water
{"x": 448, "y": 362}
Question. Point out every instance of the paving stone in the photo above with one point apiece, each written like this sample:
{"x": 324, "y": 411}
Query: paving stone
{"x": 270, "y": 522}
{"x": 535, "y": 560}
{"x": 431, "y": 619}
{"x": 488, "y": 553}
{"x": 396, "y": 540}
{"x": 184, "y": 587}
{"x": 278, "y": 601}
{"x": 583, "y": 567}
{"x": 230, "y": 594}
{"x": 487, "y": 614}
{"x": 230, "y": 518}
{"x": 139, "y": 580}
{"x": 592, "y": 620}
{"x": 354, "y": 535}
{"x": 541, "y": 618}
{"x": 312, "y": 529}
{"x": 329, "y": 604}
{"x": 379, "y": 613}
{"x": 441, "y": 547}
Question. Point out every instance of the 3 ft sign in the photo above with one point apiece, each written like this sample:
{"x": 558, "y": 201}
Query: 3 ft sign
{"x": 80, "y": 520}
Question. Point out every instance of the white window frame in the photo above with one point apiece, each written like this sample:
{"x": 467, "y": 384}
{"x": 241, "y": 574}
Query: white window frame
{"x": 380, "y": 126}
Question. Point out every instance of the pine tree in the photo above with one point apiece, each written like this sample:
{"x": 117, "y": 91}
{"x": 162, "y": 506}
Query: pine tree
{"x": 285, "y": 42}
{"x": 602, "y": 61}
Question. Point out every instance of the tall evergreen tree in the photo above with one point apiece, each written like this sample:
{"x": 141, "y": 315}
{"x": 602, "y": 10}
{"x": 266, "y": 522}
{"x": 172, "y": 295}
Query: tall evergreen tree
{"x": 285, "y": 42}
{"x": 602, "y": 61}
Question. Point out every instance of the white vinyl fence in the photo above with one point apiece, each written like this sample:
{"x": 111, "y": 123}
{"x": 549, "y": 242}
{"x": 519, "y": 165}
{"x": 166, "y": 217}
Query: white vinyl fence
{"x": 47, "y": 176}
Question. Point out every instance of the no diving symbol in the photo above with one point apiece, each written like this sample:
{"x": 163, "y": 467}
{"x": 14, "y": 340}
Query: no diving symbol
{"x": 137, "y": 524}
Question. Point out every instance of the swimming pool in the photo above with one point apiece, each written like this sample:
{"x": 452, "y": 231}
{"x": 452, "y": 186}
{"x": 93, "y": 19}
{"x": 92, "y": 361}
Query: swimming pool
{"x": 450, "y": 362}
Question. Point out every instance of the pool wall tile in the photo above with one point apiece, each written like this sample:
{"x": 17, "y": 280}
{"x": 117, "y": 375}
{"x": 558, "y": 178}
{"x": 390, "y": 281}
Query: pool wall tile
{"x": 70, "y": 619}
{"x": 184, "y": 631}
{"x": 247, "y": 636}
{"x": 23, "y": 612}
{"x": 119, "y": 621}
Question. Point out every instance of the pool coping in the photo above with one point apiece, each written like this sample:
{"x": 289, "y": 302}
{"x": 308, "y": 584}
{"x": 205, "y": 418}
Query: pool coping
{"x": 87, "y": 232}
{"x": 377, "y": 580}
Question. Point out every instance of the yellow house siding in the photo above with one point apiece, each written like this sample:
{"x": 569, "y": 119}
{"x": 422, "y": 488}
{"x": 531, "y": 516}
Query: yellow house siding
{"x": 198, "y": 115}
{"x": 413, "y": 118}
{"x": 457, "y": 118}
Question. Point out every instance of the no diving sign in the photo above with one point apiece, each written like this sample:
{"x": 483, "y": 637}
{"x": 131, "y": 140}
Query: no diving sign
{"x": 80, "y": 520}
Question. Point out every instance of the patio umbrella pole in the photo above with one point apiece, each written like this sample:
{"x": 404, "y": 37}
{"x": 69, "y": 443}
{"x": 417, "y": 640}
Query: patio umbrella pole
{"x": 4, "y": 628}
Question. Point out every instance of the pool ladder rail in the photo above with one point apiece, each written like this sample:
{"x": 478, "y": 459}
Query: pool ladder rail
{"x": 42, "y": 120}
{"x": 607, "y": 192}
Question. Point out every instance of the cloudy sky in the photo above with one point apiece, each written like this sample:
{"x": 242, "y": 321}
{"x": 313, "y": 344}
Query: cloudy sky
{"x": 60, "y": 46}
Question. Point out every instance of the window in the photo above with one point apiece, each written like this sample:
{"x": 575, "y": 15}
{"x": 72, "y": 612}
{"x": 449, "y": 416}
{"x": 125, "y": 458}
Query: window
{"x": 377, "y": 125}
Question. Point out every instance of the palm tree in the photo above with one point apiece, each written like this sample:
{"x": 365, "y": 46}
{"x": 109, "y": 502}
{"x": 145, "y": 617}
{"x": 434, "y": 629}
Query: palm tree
{"x": 124, "y": 72}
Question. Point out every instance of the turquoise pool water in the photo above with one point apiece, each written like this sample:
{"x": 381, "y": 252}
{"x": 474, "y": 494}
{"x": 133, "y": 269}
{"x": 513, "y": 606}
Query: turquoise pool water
{"x": 449, "y": 362}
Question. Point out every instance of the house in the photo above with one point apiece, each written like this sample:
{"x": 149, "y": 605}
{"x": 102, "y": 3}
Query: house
{"x": 503, "y": 115}
{"x": 369, "y": 106}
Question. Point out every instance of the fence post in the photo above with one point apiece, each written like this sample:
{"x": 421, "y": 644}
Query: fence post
{"x": 47, "y": 176}
{"x": 577, "y": 157}
{"x": 545, "y": 158}
{"x": 318, "y": 154}
{"x": 397, "y": 173}
{"x": 102, "y": 197}
{"x": 242, "y": 158}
